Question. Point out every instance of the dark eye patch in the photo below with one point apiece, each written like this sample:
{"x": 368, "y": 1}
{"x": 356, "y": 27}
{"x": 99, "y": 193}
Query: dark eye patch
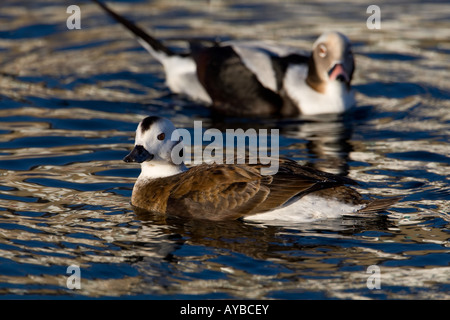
{"x": 161, "y": 136}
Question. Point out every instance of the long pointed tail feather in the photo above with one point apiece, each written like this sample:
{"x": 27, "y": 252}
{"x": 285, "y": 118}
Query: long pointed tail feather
{"x": 137, "y": 31}
{"x": 378, "y": 205}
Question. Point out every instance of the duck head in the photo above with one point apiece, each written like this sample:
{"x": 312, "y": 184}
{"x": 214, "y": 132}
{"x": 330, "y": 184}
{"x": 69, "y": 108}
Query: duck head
{"x": 331, "y": 61}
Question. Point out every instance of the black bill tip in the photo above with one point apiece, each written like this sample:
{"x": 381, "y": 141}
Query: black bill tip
{"x": 139, "y": 155}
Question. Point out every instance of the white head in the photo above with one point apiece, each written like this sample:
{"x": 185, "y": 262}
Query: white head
{"x": 332, "y": 60}
{"x": 154, "y": 147}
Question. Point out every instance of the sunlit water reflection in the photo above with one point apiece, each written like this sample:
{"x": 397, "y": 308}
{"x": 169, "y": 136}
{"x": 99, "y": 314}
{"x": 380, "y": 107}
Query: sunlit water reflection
{"x": 69, "y": 105}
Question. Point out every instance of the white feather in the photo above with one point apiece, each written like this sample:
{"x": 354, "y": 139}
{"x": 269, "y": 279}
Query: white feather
{"x": 336, "y": 98}
{"x": 181, "y": 77}
{"x": 256, "y": 56}
{"x": 161, "y": 165}
{"x": 181, "y": 74}
{"x": 158, "y": 169}
{"x": 258, "y": 62}
{"x": 306, "y": 209}
{"x": 274, "y": 48}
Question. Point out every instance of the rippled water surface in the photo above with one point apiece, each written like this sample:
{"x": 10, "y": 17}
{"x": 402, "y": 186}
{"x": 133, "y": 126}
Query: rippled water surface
{"x": 70, "y": 101}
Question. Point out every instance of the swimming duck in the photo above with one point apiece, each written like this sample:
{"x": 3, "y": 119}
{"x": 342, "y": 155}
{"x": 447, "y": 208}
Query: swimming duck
{"x": 234, "y": 191}
{"x": 257, "y": 78}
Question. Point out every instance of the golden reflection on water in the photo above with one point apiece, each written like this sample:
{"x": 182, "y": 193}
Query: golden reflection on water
{"x": 46, "y": 227}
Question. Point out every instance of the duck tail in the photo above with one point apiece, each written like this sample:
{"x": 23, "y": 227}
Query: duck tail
{"x": 152, "y": 45}
{"x": 377, "y": 205}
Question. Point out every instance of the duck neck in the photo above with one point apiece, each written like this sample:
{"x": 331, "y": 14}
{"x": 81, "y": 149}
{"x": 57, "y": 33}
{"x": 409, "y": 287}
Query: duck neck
{"x": 154, "y": 170}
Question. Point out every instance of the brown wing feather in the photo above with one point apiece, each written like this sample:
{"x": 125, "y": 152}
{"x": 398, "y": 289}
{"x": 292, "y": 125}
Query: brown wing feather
{"x": 217, "y": 192}
{"x": 220, "y": 192}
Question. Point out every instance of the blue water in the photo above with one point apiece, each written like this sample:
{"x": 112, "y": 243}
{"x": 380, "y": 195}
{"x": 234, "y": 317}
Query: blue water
{"x": 69, "y": 105}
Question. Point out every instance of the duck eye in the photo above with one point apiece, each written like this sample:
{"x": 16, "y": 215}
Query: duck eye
{"x": 322, "y": 51}
{"x": 161, "y": 136}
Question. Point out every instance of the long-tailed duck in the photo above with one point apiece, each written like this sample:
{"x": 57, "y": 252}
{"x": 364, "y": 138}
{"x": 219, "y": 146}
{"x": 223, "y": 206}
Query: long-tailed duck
{"x": 233, "y": 191}
{"x": 258, "y": 79}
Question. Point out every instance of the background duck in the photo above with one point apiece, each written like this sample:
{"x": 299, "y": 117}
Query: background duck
{"x": 257, "y": 78}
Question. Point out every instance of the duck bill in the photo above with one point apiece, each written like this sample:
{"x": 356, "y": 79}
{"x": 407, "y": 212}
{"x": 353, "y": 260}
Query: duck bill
{"x": 337, "y": 72}
{"x": 139, "y": 155}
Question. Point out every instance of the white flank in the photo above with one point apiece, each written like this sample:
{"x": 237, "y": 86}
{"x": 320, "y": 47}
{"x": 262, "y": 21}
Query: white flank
{"x": 306, "y": 209}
